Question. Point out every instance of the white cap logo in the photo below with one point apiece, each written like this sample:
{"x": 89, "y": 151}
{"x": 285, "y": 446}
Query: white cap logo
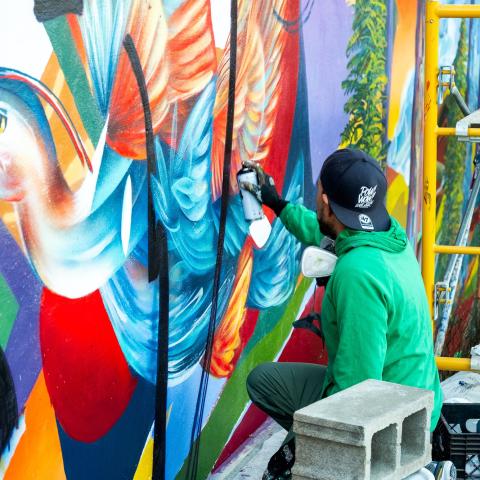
{"x": 366, "y": 196}
{"x": 365, "y": 222}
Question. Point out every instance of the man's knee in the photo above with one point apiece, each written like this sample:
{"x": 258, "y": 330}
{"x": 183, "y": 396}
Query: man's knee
{"x": 256, "y": 379}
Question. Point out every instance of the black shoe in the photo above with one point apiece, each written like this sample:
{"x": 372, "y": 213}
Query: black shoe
{"x": 280, "y": 465}
{"x": 443, "y": 470}
{"x": 286, "y": 475}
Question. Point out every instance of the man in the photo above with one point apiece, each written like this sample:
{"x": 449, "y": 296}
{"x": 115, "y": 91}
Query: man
{"x": 375, "y": 317}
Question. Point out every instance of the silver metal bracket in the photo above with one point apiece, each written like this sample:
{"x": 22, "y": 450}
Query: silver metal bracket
{"x": 470, "y": 121}
{"x": 475, "y": 360}
{"x": 442, "y": 296}
{"x": 446, "y": 80}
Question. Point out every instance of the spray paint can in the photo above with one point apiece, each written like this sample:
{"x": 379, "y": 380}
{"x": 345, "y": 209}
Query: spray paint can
{"x": 252, "y": 208}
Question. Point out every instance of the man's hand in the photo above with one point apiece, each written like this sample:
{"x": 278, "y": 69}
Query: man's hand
{"x": 265, "y": 191}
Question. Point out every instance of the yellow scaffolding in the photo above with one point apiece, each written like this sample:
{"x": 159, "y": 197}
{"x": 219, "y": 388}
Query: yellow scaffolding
{"x": 434, "y": 12}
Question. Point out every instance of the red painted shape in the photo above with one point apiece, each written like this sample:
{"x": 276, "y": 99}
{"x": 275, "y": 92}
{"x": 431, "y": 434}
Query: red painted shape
{"x": 87, "y": 376}
{"x": 276, "y": 163}
{"x": 391, "y": 175}
{"x": 248, "y": 326}
{"x": 303, "y": 346}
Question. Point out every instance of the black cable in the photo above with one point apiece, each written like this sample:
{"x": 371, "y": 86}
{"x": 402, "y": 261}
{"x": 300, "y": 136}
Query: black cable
{"x": 192, "y": 466}
{"x": 157, "y": 268}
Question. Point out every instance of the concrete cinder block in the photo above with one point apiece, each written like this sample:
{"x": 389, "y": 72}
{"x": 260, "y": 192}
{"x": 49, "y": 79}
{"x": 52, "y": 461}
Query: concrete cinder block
{"x": 372, "y": 431}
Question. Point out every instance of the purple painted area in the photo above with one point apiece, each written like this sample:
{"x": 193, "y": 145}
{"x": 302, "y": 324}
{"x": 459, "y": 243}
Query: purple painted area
{"x": 326, "y": 34}
{"x": 23, "y": 347}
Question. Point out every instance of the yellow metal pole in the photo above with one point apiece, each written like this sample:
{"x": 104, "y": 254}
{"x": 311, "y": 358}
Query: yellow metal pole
{"x": 450, "y": 131}
{"x": 430, "y": 149}
{"x": 453, "y": 249}
{"x": 458, "y": 11}
{"x": 454, "y": 364}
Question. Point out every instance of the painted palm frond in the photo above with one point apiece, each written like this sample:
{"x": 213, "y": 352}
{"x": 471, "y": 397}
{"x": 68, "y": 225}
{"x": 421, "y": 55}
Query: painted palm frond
{"x": 367, "y": 79}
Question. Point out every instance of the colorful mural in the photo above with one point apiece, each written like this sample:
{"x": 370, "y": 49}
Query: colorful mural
{"x": 122, "y": 126}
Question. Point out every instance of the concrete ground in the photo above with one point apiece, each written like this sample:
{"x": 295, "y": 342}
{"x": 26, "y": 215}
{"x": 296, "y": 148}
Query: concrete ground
{"x": 252, "y": 457}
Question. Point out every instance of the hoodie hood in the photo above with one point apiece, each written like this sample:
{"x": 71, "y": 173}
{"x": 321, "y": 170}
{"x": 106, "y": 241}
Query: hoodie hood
{"x": 393, "y": 240}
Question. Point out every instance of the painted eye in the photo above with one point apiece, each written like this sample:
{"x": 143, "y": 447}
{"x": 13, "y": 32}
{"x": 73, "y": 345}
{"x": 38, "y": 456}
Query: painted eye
{"x": 3, "y": 120}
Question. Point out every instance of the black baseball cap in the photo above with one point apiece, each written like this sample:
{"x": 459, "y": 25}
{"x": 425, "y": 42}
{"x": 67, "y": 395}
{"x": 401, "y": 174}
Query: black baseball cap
{"x": 356, "y": 189}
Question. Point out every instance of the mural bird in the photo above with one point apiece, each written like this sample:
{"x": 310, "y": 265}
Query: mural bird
{"x": 95, "y": 237}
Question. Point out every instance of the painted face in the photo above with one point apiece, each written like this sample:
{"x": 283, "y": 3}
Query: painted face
{"x": 10, "y": 183}
{"x": 18, "y": 147}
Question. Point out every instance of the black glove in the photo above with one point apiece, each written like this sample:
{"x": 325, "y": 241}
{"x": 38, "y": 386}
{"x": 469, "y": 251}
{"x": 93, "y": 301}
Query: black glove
{"x": 265, "y": 191}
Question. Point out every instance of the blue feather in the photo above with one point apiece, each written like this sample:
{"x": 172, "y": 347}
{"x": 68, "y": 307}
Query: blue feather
{"x": 276, "y": 265}
{"x": 103, "y": 26}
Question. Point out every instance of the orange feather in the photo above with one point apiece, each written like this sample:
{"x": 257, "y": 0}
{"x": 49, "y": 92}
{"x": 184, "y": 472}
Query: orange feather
{"x": 227, "y": 336}
{"x": 178, "y": 60}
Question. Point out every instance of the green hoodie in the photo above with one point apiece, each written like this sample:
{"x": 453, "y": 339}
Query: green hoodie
{"x": 375, "y": 315}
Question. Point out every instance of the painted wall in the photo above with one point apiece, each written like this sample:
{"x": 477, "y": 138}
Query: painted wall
{"x": 83, "y": 190}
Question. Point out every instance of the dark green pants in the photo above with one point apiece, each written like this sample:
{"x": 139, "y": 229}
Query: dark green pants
{"x": 280, "y": 389}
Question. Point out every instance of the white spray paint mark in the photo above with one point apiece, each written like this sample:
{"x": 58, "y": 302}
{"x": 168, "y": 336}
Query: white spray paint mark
{"x": 221, "y": 21}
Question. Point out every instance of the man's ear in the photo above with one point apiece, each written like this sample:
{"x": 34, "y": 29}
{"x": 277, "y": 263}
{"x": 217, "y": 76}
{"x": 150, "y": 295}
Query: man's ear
{"x": 328, "y": 210}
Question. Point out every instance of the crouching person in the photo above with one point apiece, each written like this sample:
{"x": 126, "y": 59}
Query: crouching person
{"x": 375, "y": 316}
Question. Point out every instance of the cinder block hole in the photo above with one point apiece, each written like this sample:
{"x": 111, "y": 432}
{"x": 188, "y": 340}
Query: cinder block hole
{"x": 384, "y": 445}
{"x": 413, "y": 436}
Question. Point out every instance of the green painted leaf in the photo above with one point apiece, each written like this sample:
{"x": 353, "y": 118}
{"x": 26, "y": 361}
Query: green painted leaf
{"x": 8, "y": 312}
